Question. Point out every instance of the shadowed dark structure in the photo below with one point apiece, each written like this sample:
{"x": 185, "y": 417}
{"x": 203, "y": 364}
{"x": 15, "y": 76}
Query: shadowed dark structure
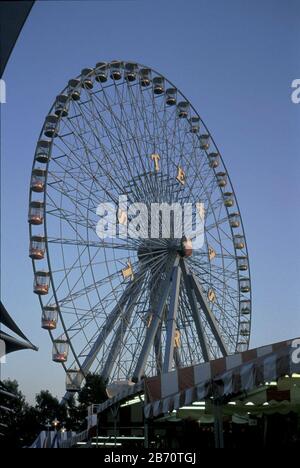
{"x": 12, "y": 18}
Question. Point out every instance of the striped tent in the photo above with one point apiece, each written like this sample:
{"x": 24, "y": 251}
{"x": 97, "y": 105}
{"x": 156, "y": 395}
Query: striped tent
{"x": 222, "y": 377}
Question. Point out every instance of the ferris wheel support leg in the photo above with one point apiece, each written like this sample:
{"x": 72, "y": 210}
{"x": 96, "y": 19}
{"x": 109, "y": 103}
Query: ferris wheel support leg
{"x": 171, "y": 321}
{"x": 196, "y": 315}
{"x": 152, "y": 330}
{"x": 117, "y": 343}
{"x": 209, "y": 315}
{"x": 106, "y": 330}
{"x": 157, "y": 349}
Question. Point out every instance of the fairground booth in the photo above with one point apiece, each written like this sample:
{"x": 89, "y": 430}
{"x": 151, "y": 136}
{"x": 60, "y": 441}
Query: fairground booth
{"x": 244, "y": 400}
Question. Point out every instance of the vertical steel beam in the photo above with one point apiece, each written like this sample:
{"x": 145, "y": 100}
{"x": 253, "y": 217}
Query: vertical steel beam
{"x": 156, "y": 321}
{"x": 117, "y": 342}
{"x": 195, "y": 311}
{"x": 171, "y": 321}
{"x": 209, "y": 315}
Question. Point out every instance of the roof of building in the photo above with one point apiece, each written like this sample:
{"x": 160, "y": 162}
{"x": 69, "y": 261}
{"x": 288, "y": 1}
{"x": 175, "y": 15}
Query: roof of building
{"x": 12, "y": 343}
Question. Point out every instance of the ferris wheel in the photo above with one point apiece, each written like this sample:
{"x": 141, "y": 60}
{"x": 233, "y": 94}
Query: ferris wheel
{"x": 129, "y": 306}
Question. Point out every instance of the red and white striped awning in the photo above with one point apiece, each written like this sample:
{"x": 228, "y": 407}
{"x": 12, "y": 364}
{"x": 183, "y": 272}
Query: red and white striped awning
{"x": 222, "y": 377}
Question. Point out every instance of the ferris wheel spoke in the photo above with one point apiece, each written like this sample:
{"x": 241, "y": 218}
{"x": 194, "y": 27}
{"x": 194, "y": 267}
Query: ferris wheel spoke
{"x": 118, "y": 136}
{"x": 90, "y": 155}
{"x": 107, "y": 152}
{"x": 97, "y": 244}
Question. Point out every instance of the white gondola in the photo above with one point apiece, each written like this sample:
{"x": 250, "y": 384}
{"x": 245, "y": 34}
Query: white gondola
{"x": 62, "y": 105}
{"x": 145, "y": 77}
{"x": 101, "y": 72}
{"x": 245, "y": 307}
{"x": 130, "y": 71}
{"x": 50, "y": 317}
{"x": 36, "y": 213}
{"x": 41, "y": 283}
{"x": 222, "y": 179}
{"x": 245, "y": 329}
{"x": 234, "y": 220}
{"x": 74, "y": 380}
{"x": 38, "y": 180}
{"x": 214, "y": 160}
{"x": 205, "y": 142}
{"x": 60, "y": 351}
{"x": 158, "y": 85}
{"x": 42, "y": 154}
{"x": 245, "y": 285}
{"x": 74, "y": 89}
{"x": 116, "y": 70}
{"x": 51, "y": 126}
{"x": 239, "y": 242}
{"x": 242, "y": 263}
{"x": 195, "y": 124}
{"x": 171, "y": 96}
{"x": 242, "y": 346}
{"x": 183, "y": 108}
{"x": 228, "y": 199}
{"x": 37, "y": 248}
{"x": 87, "y": 78}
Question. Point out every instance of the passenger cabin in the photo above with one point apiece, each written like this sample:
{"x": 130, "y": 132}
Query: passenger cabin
{"x": 116, "y": 70}
{"x": 214, "y": 160}
{"x": 205, "y": 142}
{"x": 87, "y": 78}
{"x": 41, "y": 283}
{"x": 42, "y": 154}
{"x": 183, "y": 108}
{"x": 74, "y": 380}
{"x": 171, "y": 96}
{"x": 242, "y": 263}
{"x": 130, "y": 70}
{"x": 62, "y": 105}
{"x": 222, "y": 179}
{"x": 51, "y": 126}
{"x": 245, "y": 307}
{"x": 74, "y": 89}
{"x": 101, "y": 72}
{"x": 145, "y": 77}
{"x": 158, "y": 85}
{"x": 228, "y": 199}
{"x": 36, "y": 213}
{"x": 60, "y": 351}
{"x": 239, "y": 242}
{"x": 38, "y": 180}
{"x": 37, "y": 248}
{"x": 245, "y": 285}
{"x": 50, "y": 317}
{"x": 195, "y": 124}
{"x": 234, "y": 220}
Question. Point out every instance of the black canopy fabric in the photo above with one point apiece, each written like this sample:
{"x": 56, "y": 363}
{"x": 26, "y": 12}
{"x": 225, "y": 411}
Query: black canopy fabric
{"x": 13, "y": 344}
{"x": 8, "y": 322}
{"x": 13, "y": 15}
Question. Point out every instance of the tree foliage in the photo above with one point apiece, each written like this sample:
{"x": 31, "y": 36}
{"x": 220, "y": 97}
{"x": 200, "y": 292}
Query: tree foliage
{"x": 22, "y": 424}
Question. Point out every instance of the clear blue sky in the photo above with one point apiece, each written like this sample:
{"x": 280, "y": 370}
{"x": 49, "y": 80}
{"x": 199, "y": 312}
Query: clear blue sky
{"x": 235, "y": 60}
